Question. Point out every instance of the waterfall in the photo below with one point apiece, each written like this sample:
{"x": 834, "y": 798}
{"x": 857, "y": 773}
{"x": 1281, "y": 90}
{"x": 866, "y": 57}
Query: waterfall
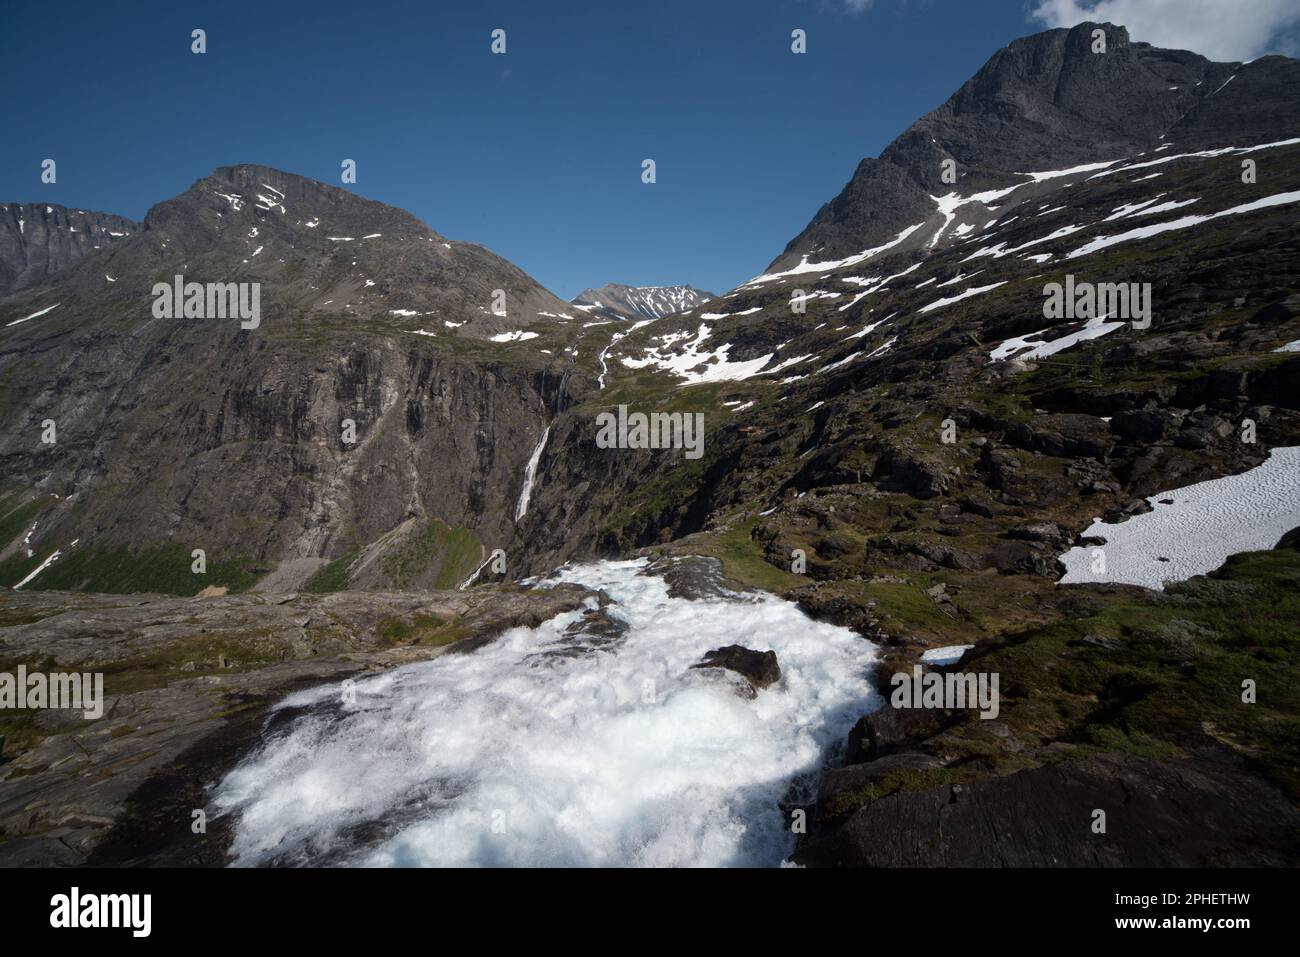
{"x": 530, "y": 473}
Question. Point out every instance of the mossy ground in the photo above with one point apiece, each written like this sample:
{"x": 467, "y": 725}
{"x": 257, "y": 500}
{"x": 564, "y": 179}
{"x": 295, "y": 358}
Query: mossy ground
{"x": 240, "y": 650}
{"x": 1173, "y": 680}
{"x": 419, "y": 629}
{"x": 741, "y": 557}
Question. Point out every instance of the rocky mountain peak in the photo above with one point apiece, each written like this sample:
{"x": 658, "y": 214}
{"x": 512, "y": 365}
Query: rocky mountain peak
{"x": 1048, "y": 102}
{"x": 315, "y": 249}
{"x": 617, "y": 301}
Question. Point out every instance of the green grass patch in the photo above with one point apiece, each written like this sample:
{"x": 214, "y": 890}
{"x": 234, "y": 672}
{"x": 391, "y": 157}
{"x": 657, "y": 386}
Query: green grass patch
{"x": 742, "y": 558}
{"x": 17, "y": 513}
{"x": 244, "y": 651}
{"x": 419, "y": 629}
{"x": 1176, "y": 674}
{"x": 332, "y": 577}
{"x": 454, "y": 551}
{"x": 896, "y": 781}
{"x": 165, "y": 569}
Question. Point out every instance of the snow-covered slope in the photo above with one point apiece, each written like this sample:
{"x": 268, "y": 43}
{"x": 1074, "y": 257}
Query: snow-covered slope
{"x": 615, "y": 301}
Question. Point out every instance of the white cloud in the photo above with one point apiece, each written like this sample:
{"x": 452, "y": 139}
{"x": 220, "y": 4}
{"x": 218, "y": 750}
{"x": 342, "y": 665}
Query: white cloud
{"x": 1218, "y": 29}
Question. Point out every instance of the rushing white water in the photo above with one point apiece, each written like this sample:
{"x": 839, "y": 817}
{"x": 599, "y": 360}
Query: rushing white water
{"x": 530, "y": 473}
{"x": 562, "y": 745}
{"x": 604, "y": 366}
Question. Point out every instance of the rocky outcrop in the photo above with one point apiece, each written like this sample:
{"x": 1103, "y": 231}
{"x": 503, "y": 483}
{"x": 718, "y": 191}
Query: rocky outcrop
{"x": 1200, "y": 811}
{"x": 205, "y": 434}
{"x": 759, "y": 668}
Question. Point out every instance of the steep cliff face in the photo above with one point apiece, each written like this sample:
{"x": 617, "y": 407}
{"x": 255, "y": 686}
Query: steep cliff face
{"x": 38, "y": 240}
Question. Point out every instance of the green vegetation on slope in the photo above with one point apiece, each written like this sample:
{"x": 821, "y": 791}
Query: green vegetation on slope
{"x": 1145, "y": 673}
{"x": 331, "y": 577}
{"x": 455, "y": 551}
{"x": 165, "y": 569}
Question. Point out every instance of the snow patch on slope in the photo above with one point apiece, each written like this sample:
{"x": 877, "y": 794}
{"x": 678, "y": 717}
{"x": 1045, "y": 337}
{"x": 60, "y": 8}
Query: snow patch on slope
{"x": 1195, "y": 534}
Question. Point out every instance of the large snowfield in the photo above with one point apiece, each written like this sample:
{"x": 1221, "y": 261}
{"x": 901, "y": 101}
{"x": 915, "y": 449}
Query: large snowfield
{"x": 1204, "y": 524}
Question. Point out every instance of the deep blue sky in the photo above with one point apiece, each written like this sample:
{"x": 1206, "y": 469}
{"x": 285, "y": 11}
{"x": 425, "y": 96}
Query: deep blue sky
{"x": 536, "y": 154}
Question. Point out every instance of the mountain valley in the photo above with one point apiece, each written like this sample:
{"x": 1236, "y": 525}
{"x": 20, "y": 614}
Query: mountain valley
{"x": 396, "y": 478}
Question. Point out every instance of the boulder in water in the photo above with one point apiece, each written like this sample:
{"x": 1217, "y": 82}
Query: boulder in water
{"x": 759, "y": 668}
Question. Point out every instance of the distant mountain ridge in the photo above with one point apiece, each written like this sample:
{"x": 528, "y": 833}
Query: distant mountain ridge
{"x": 616, "y": 301}
{"x": 38, "y": 240}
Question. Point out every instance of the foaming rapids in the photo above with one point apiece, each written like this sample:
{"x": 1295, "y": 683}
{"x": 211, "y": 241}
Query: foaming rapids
{"x": 587, "y": 741}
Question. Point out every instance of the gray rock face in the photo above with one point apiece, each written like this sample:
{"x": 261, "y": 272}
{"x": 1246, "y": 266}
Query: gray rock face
{"x": 319, "y": 251}
{"x": 38, "y": 240}
{"x": 616, "y": 301}
{"x": 1199, "y": 811}
{"x": 1047, "y": 102}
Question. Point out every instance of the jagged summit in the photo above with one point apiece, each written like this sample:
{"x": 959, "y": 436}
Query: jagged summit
{"x": 617, "y": 301}
{"x": 1048, "y": 102}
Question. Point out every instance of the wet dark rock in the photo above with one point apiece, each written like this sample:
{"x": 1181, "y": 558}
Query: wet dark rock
{"x": 693, "y": 577}
{"x": 831, "y": 605}
{"x": 759, "y": 668}
{"x": 1289, "y": 540}
{"x": 837, "y": 782}
{"x": 889, "y": 730}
